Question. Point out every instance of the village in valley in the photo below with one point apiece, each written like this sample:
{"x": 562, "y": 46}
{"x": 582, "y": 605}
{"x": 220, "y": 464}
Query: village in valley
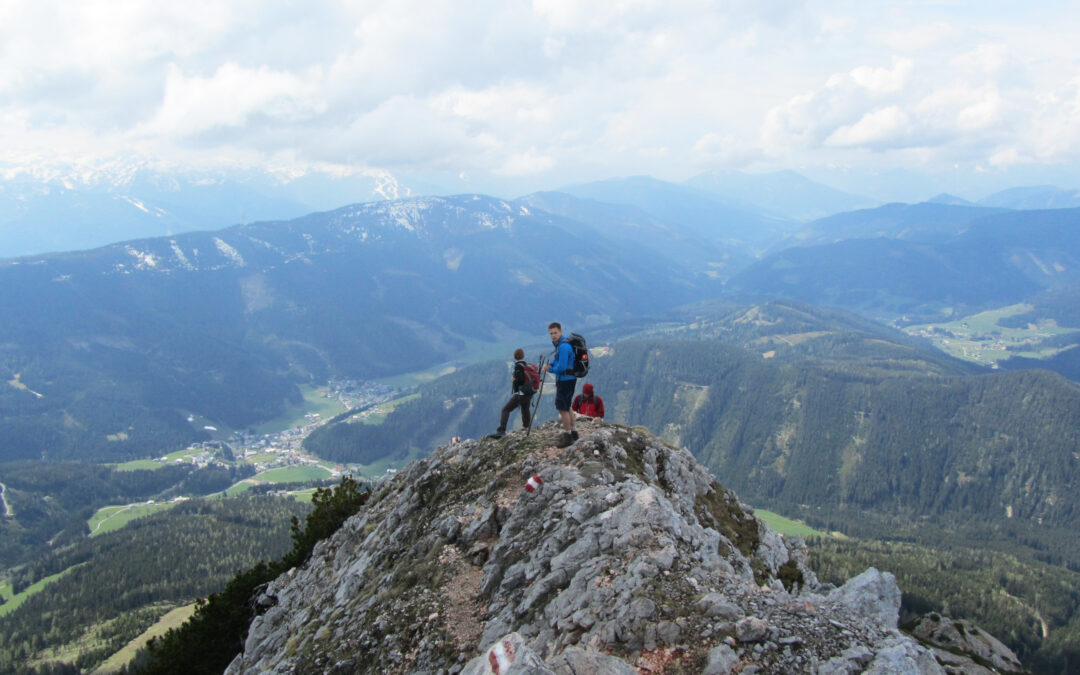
{"x": 275, "y": 451}
{"x": 986, "y": 339}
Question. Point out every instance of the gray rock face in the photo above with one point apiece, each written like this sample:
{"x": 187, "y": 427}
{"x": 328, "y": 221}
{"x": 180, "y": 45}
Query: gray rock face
{"x": 629, "y": 556}
{"x": 963, "y": 646}
{"x": 751, "y": 629}
{"x": 577, "y": 661}
{"x": 873, "y": 594}
{"x": 721, "y": 660}
{"x": 714, "y": 605}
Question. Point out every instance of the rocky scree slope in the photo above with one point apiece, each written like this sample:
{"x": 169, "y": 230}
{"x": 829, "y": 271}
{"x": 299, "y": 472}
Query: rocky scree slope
{"x": 630, "y": 557}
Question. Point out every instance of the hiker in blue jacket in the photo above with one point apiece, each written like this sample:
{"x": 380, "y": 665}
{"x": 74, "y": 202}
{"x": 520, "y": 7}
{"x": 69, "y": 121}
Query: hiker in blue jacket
{"x": 565, "y": 383}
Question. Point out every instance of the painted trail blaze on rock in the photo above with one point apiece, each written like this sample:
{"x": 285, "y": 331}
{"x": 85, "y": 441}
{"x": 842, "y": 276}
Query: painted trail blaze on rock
{"x": 533, "y": 484}
{"x": 628, "y": 556}
{"x": 502, "y": 655}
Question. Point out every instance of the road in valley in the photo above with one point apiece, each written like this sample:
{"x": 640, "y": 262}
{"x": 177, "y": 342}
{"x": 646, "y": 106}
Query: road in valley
{"x": 3, "y": 499}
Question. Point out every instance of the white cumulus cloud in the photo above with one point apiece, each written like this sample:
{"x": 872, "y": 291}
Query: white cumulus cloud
{"x": 555, "y": 89}
{"x": 229, "y": 98}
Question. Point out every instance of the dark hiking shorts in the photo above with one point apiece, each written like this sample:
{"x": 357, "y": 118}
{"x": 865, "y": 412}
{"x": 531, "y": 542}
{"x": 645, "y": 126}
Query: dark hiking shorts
{"x": 564, "y": 394}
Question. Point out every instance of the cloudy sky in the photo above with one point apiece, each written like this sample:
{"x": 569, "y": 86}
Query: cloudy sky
{"x": 549, "y": 91}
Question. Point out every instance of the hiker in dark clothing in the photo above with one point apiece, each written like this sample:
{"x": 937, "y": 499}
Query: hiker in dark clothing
{"x": 565, "y": 383}
{"x": 521, "y": 395}
{"x": 587, "y": 404}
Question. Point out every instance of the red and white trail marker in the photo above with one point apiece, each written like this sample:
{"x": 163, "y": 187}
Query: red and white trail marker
{"x": 533, "y": 484}
{"x": 501, "y": 656}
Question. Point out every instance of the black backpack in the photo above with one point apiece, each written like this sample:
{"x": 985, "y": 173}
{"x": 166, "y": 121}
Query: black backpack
{"x": 581, "y": 356}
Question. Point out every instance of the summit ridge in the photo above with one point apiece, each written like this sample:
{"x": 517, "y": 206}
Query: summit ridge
{"x": 629, "y": 557}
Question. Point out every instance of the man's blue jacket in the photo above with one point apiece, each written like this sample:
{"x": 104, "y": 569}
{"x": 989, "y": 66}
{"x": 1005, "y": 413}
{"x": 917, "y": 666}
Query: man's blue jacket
{"x": 563, "y": 361}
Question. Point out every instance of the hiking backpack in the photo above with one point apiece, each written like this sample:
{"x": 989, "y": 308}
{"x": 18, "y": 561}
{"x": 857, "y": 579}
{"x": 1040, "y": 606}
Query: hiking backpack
{"x": 581, "y": 356}
{"x": 532, "y": 375}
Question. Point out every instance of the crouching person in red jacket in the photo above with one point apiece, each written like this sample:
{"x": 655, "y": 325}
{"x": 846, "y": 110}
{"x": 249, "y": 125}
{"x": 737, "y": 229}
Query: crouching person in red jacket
{"x": 587, "y": 404}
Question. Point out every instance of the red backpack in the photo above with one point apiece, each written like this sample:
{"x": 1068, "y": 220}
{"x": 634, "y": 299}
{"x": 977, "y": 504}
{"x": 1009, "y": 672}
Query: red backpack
{"x": 532, "y": 375}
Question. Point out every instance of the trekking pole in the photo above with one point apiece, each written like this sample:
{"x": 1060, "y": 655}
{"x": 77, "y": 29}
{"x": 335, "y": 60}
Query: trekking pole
{"x": 539, "y": 393}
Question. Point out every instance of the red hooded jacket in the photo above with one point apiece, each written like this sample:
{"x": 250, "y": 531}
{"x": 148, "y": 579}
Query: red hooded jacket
{"x": 587, "y": 404}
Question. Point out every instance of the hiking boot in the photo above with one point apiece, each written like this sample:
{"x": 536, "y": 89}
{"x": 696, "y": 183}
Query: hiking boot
{"x": 565, "y": 440}
{"x": 497, "y": 434}
{"x": 573, "y": 432}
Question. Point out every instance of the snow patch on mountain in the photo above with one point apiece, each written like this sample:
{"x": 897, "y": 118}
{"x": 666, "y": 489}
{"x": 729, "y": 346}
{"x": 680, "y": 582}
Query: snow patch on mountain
{"x": 144, "y": 261}
{"x": 229, "y": 252}
{"x": 179, "y": 254}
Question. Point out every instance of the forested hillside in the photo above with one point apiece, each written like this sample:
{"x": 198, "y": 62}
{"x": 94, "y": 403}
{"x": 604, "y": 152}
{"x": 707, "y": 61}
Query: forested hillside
{"x": 907, "y": 443}
{"x": 966, "y": 474}
{"x": 912, "y": 265}
{"x": 927, "y": 222}
{"x": 464, "y": 404}
{"x": 51, "y": 501}
{"x": 118, "y": 584}
{"x": 1032, "y": 607}
{"x": 800, "y": 407}
{"x": 129, "y": 350}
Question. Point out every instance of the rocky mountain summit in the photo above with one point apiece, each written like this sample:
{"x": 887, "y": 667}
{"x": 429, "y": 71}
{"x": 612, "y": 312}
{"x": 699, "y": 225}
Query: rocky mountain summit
{"x": 619, "y": 554}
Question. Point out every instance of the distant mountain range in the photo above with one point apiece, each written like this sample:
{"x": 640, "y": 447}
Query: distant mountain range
{"x": 703, "y": 246}
{"x": 71, "y": 208}
{"x": 785, "y": 194}
{"x": 696, "y": 210}
{"x": 1034, "y": 197}
{"x": 130, "y": 348}
{"x": 928, "y": 222}
{"x": 67, "y": 208}
{"x": 923, "y": 258}
{"x": 107, "y": 352}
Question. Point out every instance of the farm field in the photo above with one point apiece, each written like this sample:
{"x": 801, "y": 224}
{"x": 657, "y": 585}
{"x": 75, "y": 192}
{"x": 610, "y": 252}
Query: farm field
{"x": 139, "y": 464}
{"x": 292, "y": 474}
{"x": 303, "y": 495}
{"x": 241, "y": 487}
{"x": 980, "y": 338}
{"x": 787, "y": 526}
{"x": 377, "y": 415}
{"x": 181, "y": 454}
{"x": 173, "y": 619}
{"x": 378, "y": 469}
{"x": 474, "y": 352}
{"x": 315, "y": 401}
{"x": 19, "y": 598}
{"x": 110, "y": 518}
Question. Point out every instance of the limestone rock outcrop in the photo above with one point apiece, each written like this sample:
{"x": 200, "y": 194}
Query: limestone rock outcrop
{"x": 963, "y": 647}
{"x": 629, "y": 557}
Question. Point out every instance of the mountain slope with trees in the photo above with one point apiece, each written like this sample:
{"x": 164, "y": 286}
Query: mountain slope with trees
{"x": 928, "y": 222}
{"x": 786, "y": 194}
{"x": 118, "y": 584}
{"x": 795, "y": 405}
{"x": 995, "y": 260}
{"x": 695, "y": 210}
{"x": 106, "y": 353}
